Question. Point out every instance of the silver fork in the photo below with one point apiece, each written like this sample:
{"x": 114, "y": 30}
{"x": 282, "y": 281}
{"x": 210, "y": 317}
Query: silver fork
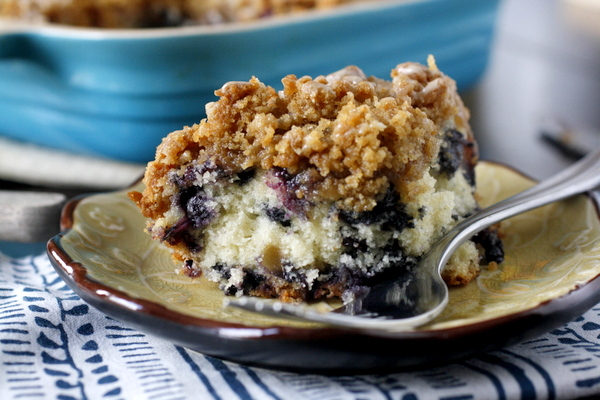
{"x": 421, "y": 295}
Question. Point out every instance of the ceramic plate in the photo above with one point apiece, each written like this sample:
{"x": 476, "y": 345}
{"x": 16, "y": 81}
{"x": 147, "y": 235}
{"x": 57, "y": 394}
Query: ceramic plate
{"x": 549, "y": 277}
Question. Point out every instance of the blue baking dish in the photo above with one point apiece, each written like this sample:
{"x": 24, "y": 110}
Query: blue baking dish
{"x": 117, "y": 93}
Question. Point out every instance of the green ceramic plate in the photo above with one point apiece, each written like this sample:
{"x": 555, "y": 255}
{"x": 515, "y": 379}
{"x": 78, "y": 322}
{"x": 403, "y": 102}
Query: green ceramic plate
{"x": 548, "y": 278}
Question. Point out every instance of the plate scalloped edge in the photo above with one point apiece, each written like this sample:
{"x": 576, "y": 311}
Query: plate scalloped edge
{"x": 248, "y": 343}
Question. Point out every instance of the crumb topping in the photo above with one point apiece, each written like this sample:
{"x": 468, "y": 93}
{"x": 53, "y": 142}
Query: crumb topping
{"x": 347, "y": 136}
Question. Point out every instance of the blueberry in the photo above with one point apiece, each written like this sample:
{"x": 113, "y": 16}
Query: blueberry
{"x": 195, "y": 203}
{"x": 278, "y": 215}
{"x": 244, "y": 176}
{"x": 388, "y": 211}
{"x": 287, "y": 185}
{"x": 189, "y": 270}
{"x": 353, "y": 246}
{"x": 494, "y": 249}
{"x": 193, "y": 171}
{"x": 252, "y": 280}
{"x": 222, "y": 269}
{"x": 457, "y": 151}
{"x": 198, "y": 211}
{"x": 179, "y": 233}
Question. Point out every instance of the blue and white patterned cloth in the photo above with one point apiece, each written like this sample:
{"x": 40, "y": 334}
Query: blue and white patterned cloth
{"x": 54, "y": 346}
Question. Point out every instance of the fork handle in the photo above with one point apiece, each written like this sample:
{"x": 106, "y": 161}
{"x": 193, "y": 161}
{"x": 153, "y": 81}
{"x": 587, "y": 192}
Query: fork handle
{"x": 583, "y": 176}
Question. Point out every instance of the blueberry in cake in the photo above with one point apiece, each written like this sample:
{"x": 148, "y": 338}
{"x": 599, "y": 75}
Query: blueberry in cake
{"x": 321, "y": 189}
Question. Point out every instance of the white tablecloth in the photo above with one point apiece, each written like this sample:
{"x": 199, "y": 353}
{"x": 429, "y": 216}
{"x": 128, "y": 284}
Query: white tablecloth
{"x": 54, "y": 346}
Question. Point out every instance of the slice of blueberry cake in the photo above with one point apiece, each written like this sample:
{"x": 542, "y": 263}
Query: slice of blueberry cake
{"x": 319, "y": 190}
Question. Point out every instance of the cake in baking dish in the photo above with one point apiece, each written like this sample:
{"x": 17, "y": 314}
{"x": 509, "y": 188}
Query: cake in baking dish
{"x": 321, "y": 189}
{"x": 154, "y": 13}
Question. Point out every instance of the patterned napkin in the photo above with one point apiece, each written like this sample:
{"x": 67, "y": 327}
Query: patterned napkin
{"x": 54, "y": 346}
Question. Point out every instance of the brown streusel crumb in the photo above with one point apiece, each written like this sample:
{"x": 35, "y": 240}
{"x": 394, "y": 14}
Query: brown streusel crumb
{"x": 350, "y": 139}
